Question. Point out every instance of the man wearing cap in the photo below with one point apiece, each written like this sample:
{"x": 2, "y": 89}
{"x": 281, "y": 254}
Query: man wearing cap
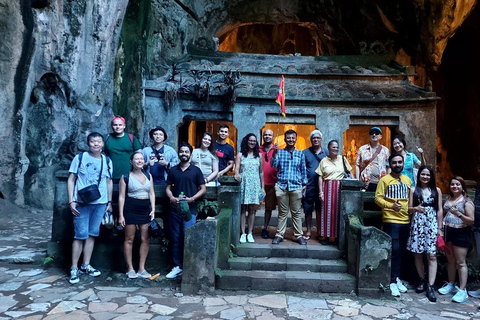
{"x": 371, "y": 162}
{"x": 159, "y": 157}
{"x": 311, "y": 201}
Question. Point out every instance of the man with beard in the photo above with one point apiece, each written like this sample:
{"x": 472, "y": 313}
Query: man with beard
{"x": 270, "y": 178}
{"x": 392, "y": 197}
{"x": 291, "y": 180}
{"x": 187, "y": 179}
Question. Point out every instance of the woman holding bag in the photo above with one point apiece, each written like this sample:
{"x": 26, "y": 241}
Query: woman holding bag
{"x": 136, "y": 207}
{"x": 426, "y": 205}
{"x": 330, "y": 171}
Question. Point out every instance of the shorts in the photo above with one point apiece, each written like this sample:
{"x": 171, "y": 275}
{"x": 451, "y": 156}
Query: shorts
{"x": 87, "y": 223}
{"x": 270, "y": 198}
{"x": 311, "y": 200}
{"x": 459, "y": 237}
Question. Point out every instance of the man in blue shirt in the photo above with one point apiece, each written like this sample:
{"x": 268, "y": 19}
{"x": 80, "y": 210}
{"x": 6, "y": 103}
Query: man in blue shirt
{"x": 291, "y": 181}
{"x": 311, "y": 201}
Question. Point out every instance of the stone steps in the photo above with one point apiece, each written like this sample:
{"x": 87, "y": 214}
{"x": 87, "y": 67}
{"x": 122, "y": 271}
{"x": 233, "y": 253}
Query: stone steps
{"x": 286, "y": 267}
{"x": 287, "y": 264}
{"x": 297, "y": 281}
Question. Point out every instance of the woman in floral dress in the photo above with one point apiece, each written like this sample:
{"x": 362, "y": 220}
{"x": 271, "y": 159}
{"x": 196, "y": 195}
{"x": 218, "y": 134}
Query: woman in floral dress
{"x": 249, "y": 170}
{"x": 426, "y": 206}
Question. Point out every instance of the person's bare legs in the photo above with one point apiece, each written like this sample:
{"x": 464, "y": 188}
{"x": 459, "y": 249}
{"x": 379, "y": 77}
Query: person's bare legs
{"x": 144, "y": 247}
{"x": 420, "y": 266}
{"x": 251, "y": 217}
{"x": 451, "y": 267}
{"x": 461, "y": 264}
{"x": 128, "y": 245}
{"x": 266, "y": 219}
{"x": 88, "y": 245}
{"x": 432, "y": 268}
{"x": 77, "y": 247}
{"x": 243, "y": 218}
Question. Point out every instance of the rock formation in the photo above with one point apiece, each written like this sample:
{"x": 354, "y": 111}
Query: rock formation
{"x": 68, "y": 66}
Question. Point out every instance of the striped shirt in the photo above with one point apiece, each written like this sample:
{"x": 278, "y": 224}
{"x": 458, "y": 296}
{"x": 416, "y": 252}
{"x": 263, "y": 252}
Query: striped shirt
{"x": 291, "y": 169}
{"x": 389, "y": 191}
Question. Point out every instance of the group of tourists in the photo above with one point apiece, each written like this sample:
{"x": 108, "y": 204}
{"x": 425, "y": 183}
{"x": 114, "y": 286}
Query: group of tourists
{"x": 412, "y": 211}
{"x": 414, "y": 217}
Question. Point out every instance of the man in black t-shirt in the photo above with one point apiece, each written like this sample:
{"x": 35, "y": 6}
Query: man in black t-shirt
{"x": 188, "y": 179}
{"x": 225, "y": 152}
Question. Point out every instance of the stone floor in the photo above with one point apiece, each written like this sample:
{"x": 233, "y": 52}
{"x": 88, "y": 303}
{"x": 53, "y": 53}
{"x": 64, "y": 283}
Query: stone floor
{"x": 32, "y": 290}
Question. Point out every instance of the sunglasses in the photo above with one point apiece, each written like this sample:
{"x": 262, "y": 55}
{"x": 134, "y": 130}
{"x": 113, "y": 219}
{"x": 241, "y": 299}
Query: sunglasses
{"x": 266, "y": 157}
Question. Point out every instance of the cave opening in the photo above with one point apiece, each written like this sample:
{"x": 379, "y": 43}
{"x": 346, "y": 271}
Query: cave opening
{"x": 277, "y": 39}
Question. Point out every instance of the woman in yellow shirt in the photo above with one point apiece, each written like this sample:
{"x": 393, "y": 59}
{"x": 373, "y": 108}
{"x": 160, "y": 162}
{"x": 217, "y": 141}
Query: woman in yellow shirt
{"x": 330, "y": 171}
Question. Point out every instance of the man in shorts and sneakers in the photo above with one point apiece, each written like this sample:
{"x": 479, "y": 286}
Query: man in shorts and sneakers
{"x": 270, "y": 178}
{"x": 88, "y": 169}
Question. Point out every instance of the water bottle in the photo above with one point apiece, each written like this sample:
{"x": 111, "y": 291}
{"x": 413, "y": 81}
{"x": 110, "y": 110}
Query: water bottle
{"x": 184, "y": 207}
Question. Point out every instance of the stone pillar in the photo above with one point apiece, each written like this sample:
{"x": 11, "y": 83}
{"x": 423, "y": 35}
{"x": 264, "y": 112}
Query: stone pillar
{"x": 351, "y": 200}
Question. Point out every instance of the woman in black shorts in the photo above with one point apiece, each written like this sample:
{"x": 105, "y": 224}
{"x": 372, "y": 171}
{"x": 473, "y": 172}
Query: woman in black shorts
{"x": 136, "y": 207}
{"x": 459, "y": 217}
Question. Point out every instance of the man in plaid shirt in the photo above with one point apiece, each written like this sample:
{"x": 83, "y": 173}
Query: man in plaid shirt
{"x": 291, "y": 181}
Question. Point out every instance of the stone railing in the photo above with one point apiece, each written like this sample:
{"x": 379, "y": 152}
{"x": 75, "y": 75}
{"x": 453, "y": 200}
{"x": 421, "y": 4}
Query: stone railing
{"x": 368, "y": 249}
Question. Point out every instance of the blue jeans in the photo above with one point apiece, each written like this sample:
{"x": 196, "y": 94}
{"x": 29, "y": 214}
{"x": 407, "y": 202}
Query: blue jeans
{"x": 177, "y": 232}
{"x": 399, "y": 234}
{"x": 88, "y": 222}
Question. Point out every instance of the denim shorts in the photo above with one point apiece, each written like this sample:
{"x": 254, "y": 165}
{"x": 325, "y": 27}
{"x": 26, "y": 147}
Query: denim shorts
{"x": 88, "y": 222}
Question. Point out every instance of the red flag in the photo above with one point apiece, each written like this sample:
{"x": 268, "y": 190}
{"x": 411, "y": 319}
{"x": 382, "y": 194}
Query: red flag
{"x": 281, "y": 96}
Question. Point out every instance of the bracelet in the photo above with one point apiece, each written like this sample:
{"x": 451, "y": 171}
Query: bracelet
{"x": 72, "y": 202}
{"x": 109, "y": 201}
{"x": 440, "y": 228}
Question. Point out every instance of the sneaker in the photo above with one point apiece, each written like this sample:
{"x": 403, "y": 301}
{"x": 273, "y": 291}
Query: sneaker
{"x": 461, "y": 296}
{"x": 475, "y": 294}
{"x": 447, "y": 288}
{"x": 132, "y": 274}
{"x": 144, "y": 274}
{"x": 74, "y": 276}
{"x": 250, "y": 238}
{"x": 243, "y": 238}
{"x": 265, "y": 234}
{"x": 401, "y": 286}
{"x": 176, "y": 271}
{"x": 91, "y": 271}
{"x": 394, "y": 290}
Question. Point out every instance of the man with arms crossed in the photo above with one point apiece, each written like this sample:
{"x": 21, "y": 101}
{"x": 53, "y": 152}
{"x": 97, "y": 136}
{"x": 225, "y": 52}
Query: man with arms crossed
{"x": 392, "y": 197}
{"x": 92, "y": 169}
{"x": 291, "y": 180}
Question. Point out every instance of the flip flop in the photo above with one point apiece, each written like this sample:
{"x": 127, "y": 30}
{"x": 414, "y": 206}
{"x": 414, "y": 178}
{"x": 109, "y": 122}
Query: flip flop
{"x": 306, "y": 237}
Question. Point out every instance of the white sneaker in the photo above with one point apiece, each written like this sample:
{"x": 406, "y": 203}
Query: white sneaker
{"x": 176, "y": 271}
{"x": 461, "y": 296}
{"x": 394, "y": 290}
{"x": 243, "y": 238}
{"x": 400, "y": 286}
{"x": 447, "y": 288}
{"x": 250, "y": 238}
{"x": 74, "y": 276}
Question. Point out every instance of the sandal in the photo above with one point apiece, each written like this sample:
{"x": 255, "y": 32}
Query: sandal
{"x": 132, "y": 274}
{"x": 306, "y": 237}
{"x": 144, "y": 274}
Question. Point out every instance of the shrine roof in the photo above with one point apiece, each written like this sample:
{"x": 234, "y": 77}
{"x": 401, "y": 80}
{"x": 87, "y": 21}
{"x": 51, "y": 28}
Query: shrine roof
{"x": 331, "y": 79}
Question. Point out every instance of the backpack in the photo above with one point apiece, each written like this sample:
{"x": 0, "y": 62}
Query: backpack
{"x": 130, "y": 136}
{"x": 80, "y": 157}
